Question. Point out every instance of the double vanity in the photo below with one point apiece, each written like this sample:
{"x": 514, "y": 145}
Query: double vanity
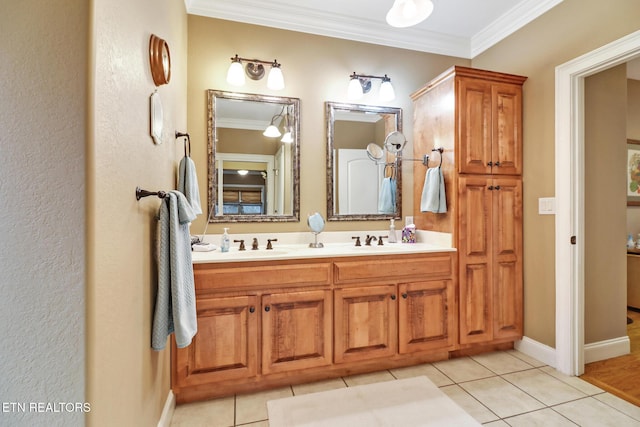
{"x": 292, "y": 314}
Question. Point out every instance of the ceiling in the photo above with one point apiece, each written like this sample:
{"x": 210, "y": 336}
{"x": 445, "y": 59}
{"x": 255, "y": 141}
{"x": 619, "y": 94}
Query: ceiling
{"x": 461, "y": 28}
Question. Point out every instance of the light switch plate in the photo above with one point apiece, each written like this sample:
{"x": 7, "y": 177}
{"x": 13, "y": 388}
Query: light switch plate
{"x": 547, "y": 205}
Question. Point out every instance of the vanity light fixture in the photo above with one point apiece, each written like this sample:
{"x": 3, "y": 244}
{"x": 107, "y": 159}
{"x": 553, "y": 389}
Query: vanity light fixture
{"x": 242, "y": 172}
{"x": 255, "y": 71}
{"x": 361, "y": 84}
{"x": 406, "y": 13}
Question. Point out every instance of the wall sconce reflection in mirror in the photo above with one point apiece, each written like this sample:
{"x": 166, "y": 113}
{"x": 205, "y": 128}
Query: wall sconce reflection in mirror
{"x": 361, "y": 84}
{"x": 286, "y": 122}
{"x": 255, "y": 71}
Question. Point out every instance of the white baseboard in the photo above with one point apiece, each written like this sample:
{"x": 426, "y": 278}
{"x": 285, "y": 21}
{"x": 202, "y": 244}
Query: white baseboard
{"x": 167, "y": 411}
{"x": 537, "y": 350}
{"x": 606, "y": 349}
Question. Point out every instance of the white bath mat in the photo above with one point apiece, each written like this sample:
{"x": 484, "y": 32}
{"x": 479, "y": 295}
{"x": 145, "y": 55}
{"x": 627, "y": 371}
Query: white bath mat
{"x": 401, "y": 403}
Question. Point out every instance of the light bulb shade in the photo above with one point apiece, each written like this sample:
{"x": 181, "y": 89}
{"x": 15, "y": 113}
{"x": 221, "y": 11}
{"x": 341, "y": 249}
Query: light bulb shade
{"x": 287, "y": 137}
{"x": 386, "y": 91}
{"x": 275, "y": 81}
{"x": 235, "y": 74}
{"x": 354, "y": 91}
{"x": 405, "y": 13}
{"x": 271, "y": 131}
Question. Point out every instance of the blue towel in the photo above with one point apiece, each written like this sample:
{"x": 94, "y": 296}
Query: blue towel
{"x": 175, "y": 309}
{"x": 188, "y": 183}
{"x": 387, "y": 196}
{"x": 433, "y": 195}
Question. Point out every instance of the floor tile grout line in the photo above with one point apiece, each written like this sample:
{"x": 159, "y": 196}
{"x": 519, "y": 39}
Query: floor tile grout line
{"x": 613, "y": 407}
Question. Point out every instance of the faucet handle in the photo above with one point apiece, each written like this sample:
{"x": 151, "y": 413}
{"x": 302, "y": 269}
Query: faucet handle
{"x": 269, "y": 245}
{"x": 242, "y": 248}
{"x": 254, "y": 245}
{"x": 357, "y": 238}
{"x": 380, "y": 242}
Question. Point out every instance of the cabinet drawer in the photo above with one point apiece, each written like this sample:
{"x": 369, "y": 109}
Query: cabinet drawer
{"x": 211, "y": 277}
{"x": 440, "y": 265}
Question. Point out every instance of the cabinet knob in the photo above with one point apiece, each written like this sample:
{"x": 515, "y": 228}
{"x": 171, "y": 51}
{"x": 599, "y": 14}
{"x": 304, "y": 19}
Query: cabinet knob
{"x": 496, "y": 164}
{"x": 393, "y": 297}
{"x": 489, "y": 163}
{"x": 405, "y": 296}
{"x": 267, "y": 308}
{"x": 252, "y": 309}
{"x": 497, "y": 187}
{"x": 491, "y": 187}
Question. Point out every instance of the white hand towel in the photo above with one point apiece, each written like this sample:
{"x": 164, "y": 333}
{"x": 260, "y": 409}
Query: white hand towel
{"x": 175, "y": 309}
{"x": 433, "y": 194}
{"x": 188, "y": 183}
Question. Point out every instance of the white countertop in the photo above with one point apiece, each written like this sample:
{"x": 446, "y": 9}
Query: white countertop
{"x": 288, "y": 247}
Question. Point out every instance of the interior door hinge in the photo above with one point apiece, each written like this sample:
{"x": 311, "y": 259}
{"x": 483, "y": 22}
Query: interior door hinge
{"x": 573, "y": 240}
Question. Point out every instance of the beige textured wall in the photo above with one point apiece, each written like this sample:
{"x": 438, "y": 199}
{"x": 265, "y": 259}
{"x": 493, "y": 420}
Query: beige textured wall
{"x": 605, "y": 205}
{"x": 571, "y": 29}
{"x": 316, "y": 69}
{"x": 43, "y": 96}
{"x": 128, "y": 383}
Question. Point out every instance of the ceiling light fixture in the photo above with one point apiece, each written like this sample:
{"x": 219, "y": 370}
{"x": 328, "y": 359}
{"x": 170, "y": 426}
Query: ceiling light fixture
{"x": 405, "y": 13}
{"x": 255, "y": 71}
{"x": 361, "y": 84}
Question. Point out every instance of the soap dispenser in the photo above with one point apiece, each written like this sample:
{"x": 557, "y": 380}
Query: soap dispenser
{"x": 392, "y": 232}
{"x": 226, "y": 241}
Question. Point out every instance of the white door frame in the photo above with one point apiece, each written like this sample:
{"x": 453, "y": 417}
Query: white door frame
{"x": 569, "y": 170}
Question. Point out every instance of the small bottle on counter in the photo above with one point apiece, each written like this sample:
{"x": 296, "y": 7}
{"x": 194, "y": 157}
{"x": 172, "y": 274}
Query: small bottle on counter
{"x": 225, "y": 242}
{"x": 409, "y": 234}
{"x": 392, "y": 232}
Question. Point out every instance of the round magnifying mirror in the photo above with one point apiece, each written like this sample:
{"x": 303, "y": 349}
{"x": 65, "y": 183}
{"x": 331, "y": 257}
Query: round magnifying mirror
{"x": 374, "y": 151}
{"x": 395, "y": 142}
{"x": 316, "y": 224}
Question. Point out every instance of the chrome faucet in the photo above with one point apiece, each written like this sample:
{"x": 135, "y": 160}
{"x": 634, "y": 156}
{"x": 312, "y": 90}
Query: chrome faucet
{"x": 369, "y": 239}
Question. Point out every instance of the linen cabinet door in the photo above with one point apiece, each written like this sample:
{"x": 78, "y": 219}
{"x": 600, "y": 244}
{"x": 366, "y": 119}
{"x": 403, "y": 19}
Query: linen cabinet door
{"x": 506, "y": 147}
{"x": 474, "y": 126}
{"x": 426, "y": 316}
{"x": 475, "y": 253}
{"x": 296, "y": 330}
{"x": 507, "y": 259}
{"x": 226, "y": 345}
{"x": 365, "y": 323}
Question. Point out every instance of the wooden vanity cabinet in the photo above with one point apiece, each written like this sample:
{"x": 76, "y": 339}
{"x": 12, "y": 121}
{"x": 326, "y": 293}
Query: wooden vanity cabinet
{"x": 270, "y": 324}
{"x": 476, "y": 116}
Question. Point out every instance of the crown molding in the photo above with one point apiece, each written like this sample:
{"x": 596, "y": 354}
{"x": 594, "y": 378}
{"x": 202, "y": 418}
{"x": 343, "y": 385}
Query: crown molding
{"x": 509, "y": 23}
{"x": 325, "y": 23}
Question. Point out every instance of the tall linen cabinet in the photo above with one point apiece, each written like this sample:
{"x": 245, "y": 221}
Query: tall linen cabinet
{"x": 476, "y": 116}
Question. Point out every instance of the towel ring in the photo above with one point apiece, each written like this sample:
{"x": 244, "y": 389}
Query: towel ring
{"x": 439, "y": 150}
{"x": 187, "y": 139}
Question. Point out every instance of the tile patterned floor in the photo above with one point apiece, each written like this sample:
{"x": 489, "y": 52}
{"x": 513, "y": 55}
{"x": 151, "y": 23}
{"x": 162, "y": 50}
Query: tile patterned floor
{"x": 497, "y": 389}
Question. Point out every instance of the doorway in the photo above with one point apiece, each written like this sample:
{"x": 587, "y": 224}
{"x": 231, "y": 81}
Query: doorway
{"x": 569, "y": 151}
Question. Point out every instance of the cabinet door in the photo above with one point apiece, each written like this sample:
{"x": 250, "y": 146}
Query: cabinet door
{"x": 507, "y": 258}
{"x": 474, "y": 126}
{"x": 474, "y": 251}
{"x": 296, "y": 330}
{"x": 426, "y": 316}
{"x": 506, "y": 148}
{"x": 365, "y": 323}
{"x": 226, "y": 345}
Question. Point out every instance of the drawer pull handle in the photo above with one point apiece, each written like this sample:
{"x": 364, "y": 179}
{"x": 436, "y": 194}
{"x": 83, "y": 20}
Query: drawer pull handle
{"x": 393, "y": 297}
{"x": 405, "y": 296}
{"x": 252, "y": 309}
{"x": 267, "y": 308}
